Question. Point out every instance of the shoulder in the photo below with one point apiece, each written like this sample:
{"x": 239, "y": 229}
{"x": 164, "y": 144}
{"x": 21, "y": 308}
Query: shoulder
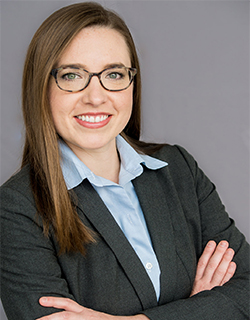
{"x": 17, "y": 187}
{"x": 185, "y": 173}
{"x": 18, "y": 180}
{"x": 177, "y": 158}
{"x": 183, "y": 168}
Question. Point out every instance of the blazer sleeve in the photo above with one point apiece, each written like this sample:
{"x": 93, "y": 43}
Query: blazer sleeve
{"x": 227, "y": 302}
{"x": 29, "y": 268}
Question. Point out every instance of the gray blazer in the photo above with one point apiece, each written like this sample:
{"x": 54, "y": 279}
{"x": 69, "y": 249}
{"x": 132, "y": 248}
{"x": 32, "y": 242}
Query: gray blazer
{"x": 183, "y": 212}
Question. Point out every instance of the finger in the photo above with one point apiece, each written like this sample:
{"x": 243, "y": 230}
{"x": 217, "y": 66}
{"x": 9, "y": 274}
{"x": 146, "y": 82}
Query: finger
{"x": 204, "y": 259}
{"x": 215, "y": 259}
{"x": 54, "y": 316}
{"x": 60, "y": 315}
{"x": 60, "y": 303}
{"x": 230, "y": 272}
{"x": 222, "y": 268}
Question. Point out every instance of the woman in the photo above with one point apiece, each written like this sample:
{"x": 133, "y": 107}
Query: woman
{"x": 92, "y": 226}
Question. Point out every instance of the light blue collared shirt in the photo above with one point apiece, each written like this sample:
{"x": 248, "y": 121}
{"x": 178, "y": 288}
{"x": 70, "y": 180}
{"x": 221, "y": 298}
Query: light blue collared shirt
{"x": 120, "y": 199}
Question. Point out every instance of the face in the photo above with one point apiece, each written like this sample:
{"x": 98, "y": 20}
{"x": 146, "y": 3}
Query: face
{"x": 73, "y": 114}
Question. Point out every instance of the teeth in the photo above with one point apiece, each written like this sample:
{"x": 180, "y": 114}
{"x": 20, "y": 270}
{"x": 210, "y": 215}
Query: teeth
{"x": 93, "y": 119}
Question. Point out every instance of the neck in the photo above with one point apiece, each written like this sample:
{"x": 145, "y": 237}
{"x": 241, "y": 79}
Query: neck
{"x": 104, "y": 163}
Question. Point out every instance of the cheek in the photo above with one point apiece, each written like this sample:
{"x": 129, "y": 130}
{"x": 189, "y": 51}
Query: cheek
{"x": 52, "y": 99}
{"x": 57, "y": 108}
{"x": 59, "y": 103}
{"x": 127, "y": 103}
{"x": 130, "y": 105}
{"x": 55, "y": 112}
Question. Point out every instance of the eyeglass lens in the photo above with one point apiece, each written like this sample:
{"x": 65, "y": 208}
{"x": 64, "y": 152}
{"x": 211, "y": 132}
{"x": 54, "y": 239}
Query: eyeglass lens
{"x": 74, "y": 79}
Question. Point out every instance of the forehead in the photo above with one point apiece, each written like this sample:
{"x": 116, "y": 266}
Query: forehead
{"x": 95, "y": 47}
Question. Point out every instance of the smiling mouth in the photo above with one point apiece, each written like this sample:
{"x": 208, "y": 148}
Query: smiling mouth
{"x": 93, "y": 119}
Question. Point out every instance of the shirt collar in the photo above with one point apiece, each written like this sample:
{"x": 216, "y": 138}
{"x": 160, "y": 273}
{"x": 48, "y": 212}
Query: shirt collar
{"x": 75, "y": 171}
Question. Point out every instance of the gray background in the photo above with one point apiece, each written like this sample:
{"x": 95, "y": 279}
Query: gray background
{"x": 195, "y": 69}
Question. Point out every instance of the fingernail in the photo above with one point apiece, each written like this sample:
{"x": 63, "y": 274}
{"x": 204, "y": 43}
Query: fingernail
{"x": 230, "y": 251}
{"x": 223, "y": 243}
{"x": 210, "y": 244}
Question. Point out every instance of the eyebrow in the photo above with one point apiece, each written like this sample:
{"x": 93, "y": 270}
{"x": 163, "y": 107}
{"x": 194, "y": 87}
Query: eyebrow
{"x": 81, "y": 66}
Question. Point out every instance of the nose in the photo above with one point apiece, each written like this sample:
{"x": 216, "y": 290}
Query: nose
{"x": 94, "y": 93}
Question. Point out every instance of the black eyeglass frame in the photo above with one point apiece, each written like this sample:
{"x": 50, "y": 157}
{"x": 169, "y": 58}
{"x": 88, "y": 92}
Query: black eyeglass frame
{"x": 93, "y": 74}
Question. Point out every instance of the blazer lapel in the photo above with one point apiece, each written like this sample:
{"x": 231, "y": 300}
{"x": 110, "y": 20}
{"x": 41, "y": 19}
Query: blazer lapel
{"x": 162, "y": 208}
{"x": 157, "y": 216}
{"x": 97, "y": 213}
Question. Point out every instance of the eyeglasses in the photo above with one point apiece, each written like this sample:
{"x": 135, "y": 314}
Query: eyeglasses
{"x": 74, "y": 79}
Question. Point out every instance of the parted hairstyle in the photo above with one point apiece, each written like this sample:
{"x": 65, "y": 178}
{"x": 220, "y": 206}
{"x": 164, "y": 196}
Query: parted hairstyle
{"x": 53, "y": 200}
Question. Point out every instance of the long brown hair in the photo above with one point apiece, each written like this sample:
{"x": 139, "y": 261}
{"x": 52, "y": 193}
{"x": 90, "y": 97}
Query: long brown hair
{"x": 41, "y": 152}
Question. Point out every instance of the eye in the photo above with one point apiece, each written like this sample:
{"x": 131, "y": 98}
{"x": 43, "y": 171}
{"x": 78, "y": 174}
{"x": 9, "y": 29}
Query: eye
{"x": 70, "y": 76}
{"x": 115, "y": 76}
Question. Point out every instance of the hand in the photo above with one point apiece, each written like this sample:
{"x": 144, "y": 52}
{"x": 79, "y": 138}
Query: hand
{"x": 215, "y": 267}
{"x": 74, "y": 311}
